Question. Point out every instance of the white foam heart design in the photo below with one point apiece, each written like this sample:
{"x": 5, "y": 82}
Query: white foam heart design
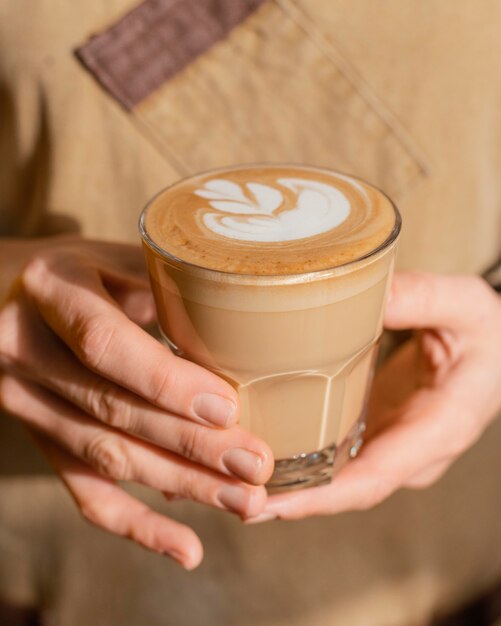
{"x": 251, "y": 216}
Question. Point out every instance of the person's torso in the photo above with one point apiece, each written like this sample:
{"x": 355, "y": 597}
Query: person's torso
{"x": 404, "y": 94}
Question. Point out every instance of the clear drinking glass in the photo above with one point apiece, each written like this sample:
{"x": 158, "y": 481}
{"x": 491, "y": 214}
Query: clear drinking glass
{"x": 300, "y": 349}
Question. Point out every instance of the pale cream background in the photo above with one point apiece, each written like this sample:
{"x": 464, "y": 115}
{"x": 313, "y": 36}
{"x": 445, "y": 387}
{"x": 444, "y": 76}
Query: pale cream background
{"x": 406, "y": 93}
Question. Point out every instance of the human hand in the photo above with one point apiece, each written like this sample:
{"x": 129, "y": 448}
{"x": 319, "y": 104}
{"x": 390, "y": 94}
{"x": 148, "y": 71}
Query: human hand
{"x": 430, "y": 401}
{"x": 107, "y": 402}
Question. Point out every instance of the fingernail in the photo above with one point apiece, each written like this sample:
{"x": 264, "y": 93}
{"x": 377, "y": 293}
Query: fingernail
{"x": 262, "y": 517}
{"x": 214, "y": 409}
{"x": 243, "y": 463}
{"x": 233, "y": 498}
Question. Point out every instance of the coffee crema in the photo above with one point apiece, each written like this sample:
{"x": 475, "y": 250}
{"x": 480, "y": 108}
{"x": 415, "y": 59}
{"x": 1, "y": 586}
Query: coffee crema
{"x": 298, "y": 344}
{"x": 269, "y": 219}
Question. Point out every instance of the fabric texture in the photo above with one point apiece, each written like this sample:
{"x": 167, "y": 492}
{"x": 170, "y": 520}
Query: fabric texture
{"x": 286, "y": 95}
{"x": 156, "y": 40}
{"x": 405, "y": 94}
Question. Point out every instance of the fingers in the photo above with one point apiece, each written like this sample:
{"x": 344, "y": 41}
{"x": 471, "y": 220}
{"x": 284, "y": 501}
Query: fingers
{"x": 420, "y": 300}
{"x": 423, "y": 436}
{"x": 105, "y": 504}
{"x": 119, "y": 457}
{"x": 234, "y": 452}
{"x": 354, "y": 489}
{"x": 73, "y": 302}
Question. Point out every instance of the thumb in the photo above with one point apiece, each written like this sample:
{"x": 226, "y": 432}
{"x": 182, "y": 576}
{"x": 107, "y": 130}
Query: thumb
{"x": 421, "y": 300}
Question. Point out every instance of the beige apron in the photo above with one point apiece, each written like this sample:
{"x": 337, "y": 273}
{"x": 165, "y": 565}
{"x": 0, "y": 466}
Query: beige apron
{"x": 404, "y": 93}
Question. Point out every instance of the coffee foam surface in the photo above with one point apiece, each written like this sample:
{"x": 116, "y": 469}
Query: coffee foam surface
{"x": 269, "y": 220}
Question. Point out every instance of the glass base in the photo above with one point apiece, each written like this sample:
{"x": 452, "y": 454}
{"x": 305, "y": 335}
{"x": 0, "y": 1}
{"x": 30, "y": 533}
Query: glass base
{"x": 316, "y": 468}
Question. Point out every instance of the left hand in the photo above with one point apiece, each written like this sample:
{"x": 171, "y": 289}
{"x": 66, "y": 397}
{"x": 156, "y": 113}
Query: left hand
{"x": 108, "y": 404}
{"x": 431, "y": 400}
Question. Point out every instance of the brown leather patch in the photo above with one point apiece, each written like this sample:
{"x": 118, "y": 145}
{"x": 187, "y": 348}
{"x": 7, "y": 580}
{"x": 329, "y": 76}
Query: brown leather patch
{"x": 157, "y": 39}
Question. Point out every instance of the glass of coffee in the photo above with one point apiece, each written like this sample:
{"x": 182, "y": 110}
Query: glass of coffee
{"x": 275, "y": 277}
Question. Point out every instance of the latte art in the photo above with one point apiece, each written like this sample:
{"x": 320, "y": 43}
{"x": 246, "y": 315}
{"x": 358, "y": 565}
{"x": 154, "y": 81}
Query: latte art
{"x": 269, "y": 219}
{"x": 252, "y": 213}
{"x": 274, "y": 277}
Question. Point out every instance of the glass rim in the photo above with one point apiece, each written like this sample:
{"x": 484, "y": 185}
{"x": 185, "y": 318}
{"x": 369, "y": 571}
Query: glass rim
{"x": 194, "y": 267}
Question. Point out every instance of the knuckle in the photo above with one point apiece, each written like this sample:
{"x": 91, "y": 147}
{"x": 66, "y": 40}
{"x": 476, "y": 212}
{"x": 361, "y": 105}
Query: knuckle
{"x": 163, "y": 382}
{"x": 35, "y": 273}
{"x": 189, "y": 485}
{"x": 107, "y": 454}
{"x": 191, "y": 441}
{"x": 92, "y": 336}
{"x": 104, "y": 402}
{"x": 37, "y": 269}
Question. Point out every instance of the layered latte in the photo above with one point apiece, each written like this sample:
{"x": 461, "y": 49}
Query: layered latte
{"x": 275, "y": 278}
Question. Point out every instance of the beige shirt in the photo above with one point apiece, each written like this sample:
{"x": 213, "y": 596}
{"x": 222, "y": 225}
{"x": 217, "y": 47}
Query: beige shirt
{"x": 405, "y": 93}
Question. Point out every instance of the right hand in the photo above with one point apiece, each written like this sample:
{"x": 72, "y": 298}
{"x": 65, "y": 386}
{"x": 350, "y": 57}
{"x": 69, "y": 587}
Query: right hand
{"x": 107, "y": 402}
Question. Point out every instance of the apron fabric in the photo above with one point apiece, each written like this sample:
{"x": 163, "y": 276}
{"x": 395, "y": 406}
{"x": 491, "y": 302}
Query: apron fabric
{"x": 403, "y": 93}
